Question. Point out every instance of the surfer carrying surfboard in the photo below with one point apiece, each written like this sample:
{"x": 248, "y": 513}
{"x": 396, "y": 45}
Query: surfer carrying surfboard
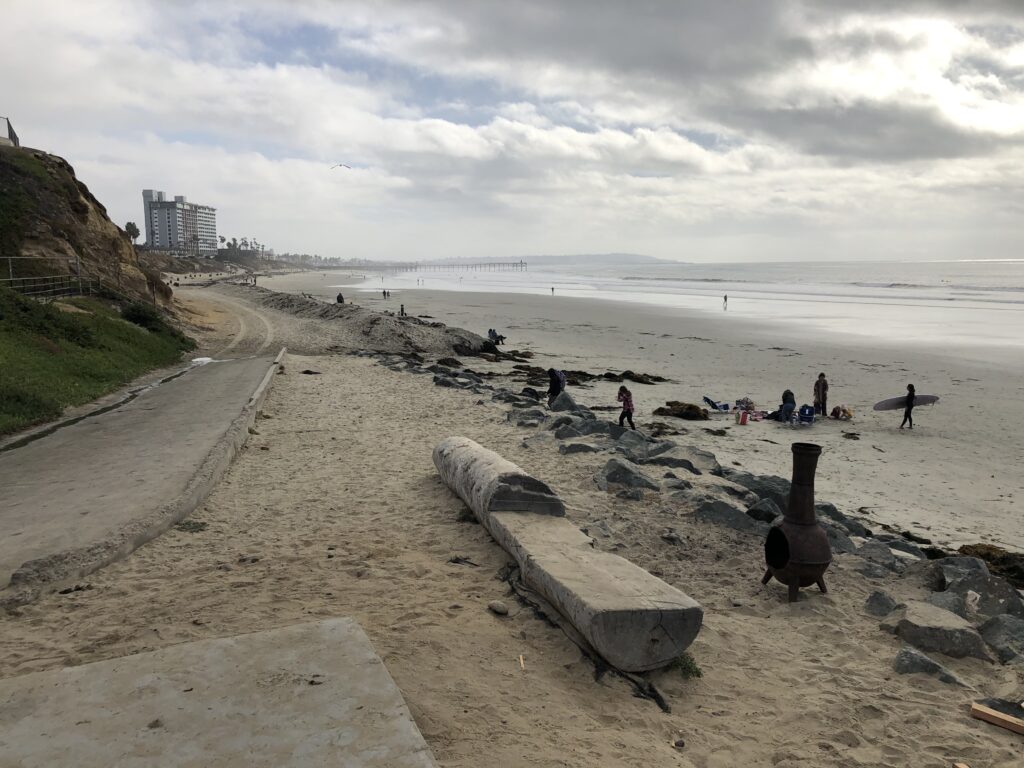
{"x": 907, "y": 411}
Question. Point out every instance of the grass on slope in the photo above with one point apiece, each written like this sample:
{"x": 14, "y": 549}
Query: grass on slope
{"x": 51, "y": 359}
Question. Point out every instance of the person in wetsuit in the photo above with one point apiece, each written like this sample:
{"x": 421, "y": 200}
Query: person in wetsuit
{"x": 908, "y": 416}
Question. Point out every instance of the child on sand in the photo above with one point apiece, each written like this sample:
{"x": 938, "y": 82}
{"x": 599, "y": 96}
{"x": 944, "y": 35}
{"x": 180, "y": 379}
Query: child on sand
{"x": 626, "y": 398}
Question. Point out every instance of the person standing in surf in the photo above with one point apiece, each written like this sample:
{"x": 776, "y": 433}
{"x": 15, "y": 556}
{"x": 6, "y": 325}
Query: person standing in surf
{"x": 908, "y": 409}
{"x": 821, "y": 395}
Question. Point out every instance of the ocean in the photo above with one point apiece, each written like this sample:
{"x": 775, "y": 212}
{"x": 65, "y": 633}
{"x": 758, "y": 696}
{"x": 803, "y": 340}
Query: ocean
{"x": 975, "y": 304}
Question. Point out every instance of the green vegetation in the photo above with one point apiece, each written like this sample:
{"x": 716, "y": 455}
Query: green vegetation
{"x": 51, "y": 358}
{"x": 687, "y": 666}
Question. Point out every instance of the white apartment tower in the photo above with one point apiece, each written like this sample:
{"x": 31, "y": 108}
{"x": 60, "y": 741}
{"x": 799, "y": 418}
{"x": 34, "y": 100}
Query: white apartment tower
{"x": 178, "y": 225}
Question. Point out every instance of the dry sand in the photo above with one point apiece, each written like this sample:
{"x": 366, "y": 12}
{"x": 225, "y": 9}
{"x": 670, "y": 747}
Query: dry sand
{"x": 334, "y": 509}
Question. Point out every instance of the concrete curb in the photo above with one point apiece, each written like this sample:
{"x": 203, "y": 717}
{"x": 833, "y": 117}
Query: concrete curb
{"x": 32, "y": 577}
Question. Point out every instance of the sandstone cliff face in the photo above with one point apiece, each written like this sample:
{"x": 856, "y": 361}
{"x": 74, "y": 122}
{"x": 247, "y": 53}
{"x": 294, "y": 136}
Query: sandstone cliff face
{"x": 46, "y": 212}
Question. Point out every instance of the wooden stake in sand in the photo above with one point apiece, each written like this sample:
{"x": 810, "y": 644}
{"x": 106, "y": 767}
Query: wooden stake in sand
{"x": 989, "y": 715}
{"x": 522, "y": 664}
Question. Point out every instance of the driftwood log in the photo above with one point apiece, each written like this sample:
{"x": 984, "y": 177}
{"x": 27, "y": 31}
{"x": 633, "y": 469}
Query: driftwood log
{"x": 634, "y": 620}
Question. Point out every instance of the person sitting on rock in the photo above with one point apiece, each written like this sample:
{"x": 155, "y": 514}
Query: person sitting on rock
{"x": 556, "y": 384}
{"x": 626, "y": 398}
{"x": 340, "y": 299}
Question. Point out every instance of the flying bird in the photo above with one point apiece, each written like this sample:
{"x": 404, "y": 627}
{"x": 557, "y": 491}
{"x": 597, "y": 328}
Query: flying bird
{"x": 341, "y": 165}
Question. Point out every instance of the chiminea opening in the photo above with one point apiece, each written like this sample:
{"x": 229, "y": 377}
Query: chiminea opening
{"x": 776, "y": 549}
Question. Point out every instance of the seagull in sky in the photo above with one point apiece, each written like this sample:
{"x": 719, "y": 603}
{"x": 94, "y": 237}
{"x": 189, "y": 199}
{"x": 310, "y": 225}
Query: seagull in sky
{"x": 341, "y": 165}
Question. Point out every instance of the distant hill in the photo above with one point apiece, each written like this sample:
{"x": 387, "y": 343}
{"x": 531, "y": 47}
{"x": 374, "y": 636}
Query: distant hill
{"x": 48, "y": 214}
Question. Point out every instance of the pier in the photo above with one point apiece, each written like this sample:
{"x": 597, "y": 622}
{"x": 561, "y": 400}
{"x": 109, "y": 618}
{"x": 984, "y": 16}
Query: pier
{"x": 484, "y": 266}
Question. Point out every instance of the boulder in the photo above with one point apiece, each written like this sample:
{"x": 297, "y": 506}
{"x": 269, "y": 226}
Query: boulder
{"x": 450, "y": 362}
{"x": 564, "y": 402}
{"x": 1005, "y": 633}
{"x": 444, "y": 381}
{"x": 911, "y": 661}
{"x": 688, "y": 457}
{"x": 880, "y": 603}
{"x": 852, "y": 526}
{"x": 995, "y": 594}
{"x": 841, "y": 543}
{"x": 949, "y": 601}
{"x": 721, "y": 512}
{"x": 531, "y": 393}
{"x": 621, "y": 472}
{"x": 765, "y": 486}
{"x": 952, "y": 568}
{"x": 932, "y": 629}
{"x": 764, "y": 510}
{"x": 522, "y": 414}
{"x": 567, "y": 449}
{"x": 630, "y": 494}
{"x": 880, "y": 554}
{"x": 902, "y": 545}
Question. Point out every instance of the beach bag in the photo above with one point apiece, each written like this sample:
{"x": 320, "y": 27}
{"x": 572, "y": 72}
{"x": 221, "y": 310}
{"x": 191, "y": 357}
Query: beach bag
{"x": 741, "y": 418}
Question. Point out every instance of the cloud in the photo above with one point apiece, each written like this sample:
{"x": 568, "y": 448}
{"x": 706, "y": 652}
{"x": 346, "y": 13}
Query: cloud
{"x": 490, "y": 127}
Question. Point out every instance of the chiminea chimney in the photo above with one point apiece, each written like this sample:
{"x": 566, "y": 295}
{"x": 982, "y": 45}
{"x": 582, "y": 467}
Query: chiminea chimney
{"x": 797, "y": 552}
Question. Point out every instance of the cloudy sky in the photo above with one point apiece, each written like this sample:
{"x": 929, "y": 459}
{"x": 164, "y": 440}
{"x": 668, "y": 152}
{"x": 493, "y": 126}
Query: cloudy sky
{"x": 700, "y": 131}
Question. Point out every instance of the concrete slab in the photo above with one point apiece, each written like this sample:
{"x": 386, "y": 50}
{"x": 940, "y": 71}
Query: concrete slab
{"x": 74, "y": 490}
{"x": 306, "y": 695}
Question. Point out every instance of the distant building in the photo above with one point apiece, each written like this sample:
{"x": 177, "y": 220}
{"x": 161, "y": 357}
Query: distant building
{"x": 178, "y": 225}
{"x": 8, "y": 137}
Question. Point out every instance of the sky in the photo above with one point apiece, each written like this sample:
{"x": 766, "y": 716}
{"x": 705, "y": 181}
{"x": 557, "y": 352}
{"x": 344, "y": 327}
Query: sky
{"x": 747, "y": 130}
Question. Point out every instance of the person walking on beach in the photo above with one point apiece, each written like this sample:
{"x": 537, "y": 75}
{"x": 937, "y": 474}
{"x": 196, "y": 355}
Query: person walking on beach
{"x": 401, "y": 311}
{"x": 725, "y": 301}
{"x": 908, "y": 415}
{"x": 556, "y": 384}
{"x": 626, "y": 398}
{"x": 821, "y": 395}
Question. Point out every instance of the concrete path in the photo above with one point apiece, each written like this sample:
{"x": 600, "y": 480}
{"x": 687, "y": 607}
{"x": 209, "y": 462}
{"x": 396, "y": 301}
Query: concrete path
{"x": 306, "y": 695}
{"x": 94, "y": 490}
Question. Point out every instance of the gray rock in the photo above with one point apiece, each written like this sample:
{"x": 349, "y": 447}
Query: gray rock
{"x": 952, "y": 568}
{"x": 593, "y": 426}
{"x": 498, "y": 608}
{"x": 996, "y": 594}
{"x": 560, "y": 421}
{"x": 469, "y": 377}
{"x": 721, "y": 512}
{"x": 631, "y": 494}
{"x": 659, "y": 447}
{"x": 567, "y": 432}
{"x": 695, "y": 460}
{"x": 764, "y": 510}
{"x": 911, "y": 661}
{"x": 620, "y": 472}
{"x": 678, "y": 484}
{"x": 949, "y": 601}
{"x": 445, "y": 381}
{"x": 1005, "y": 633}
{"x": 564, "y": 402}
{"x": 929, "y": 628}
{"x": 519, "y": 414}
{"x": 529, "y": 423}
{"x": 567, "y": 449}
{"x": 901, "y": 544}
{"x": 765, "y": 486}
{"x": 841, "y": 543}
{"x": 852, "y": 526}
{"x": 873, "y": 570}
{"x": 600, "y": 528}
{"x": 880, "y": 603}
{"x": 877, "y": 552}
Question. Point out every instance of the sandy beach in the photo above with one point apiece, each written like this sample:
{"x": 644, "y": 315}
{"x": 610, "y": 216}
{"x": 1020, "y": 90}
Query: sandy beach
{"x": 335, "y": 509}
{"x": 952, "y": 479}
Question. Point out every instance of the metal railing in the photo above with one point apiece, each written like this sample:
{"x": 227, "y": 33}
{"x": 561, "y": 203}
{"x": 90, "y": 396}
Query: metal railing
{"x": 54, "y": 286}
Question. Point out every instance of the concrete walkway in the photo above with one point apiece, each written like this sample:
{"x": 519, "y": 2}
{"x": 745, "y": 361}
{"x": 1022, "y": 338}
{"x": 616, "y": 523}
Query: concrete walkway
{"x": 306, "y": 695}
{"x": 93, "y": 491}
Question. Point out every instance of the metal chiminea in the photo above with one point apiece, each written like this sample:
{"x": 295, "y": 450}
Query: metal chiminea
{"x": 797, "y": 552}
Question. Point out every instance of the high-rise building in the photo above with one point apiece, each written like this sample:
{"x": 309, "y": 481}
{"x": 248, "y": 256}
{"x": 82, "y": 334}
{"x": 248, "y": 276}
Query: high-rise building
{"x": 178, "y": 225}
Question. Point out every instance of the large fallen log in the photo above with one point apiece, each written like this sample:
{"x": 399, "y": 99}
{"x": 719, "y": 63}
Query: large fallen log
{"x": 634, "y": 620}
